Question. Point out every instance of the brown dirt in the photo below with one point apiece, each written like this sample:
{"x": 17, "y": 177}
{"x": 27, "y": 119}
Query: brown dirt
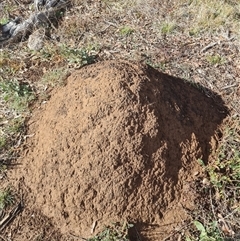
{"x": 119, "y": 141}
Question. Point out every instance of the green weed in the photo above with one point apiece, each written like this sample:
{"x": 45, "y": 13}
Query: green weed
{"x": 16, "y": 94}
{"x": 55, "y": 77}
{"x": 225, "y": 171}
{"x": 126, "y": 30}
{"x": 215, "y": 59}
{"x": 76, "y": 57}
{"x": 3, "y": 20}
{"x": 15, "y": 125}
{"x": 209, "y": 233}
{"x": 3, "y": 141}
{"x": 3, "y": 167}
{"x": 6, "y": 198}
{"x": 193, "y": 32}
{"x": 161, "y": 65}
{"x": 208, "y": 16}
{"x": 168, "y": 27}
{"x": 223, "y": 188}
{"x": 115, "y": 232}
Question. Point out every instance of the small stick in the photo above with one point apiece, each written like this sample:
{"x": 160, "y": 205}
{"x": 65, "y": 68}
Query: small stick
{"x": 9, "y": 218}
{"x": 2, "y": 238}
{"x": 78, "y": 237}
{"x": 208, "y": 47}
{"x": 93, "y": 226}
{"x": 228, "y": 86}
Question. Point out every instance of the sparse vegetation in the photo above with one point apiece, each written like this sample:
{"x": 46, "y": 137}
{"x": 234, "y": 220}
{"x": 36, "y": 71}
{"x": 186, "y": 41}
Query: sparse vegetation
{"x": 203, "y": 16}
{"x": 224, "y": 172}
{"x": 16, "y": 94}
{"x": 211, "y": 233}
{"x": 126, "y": 30}
{"x": 168, "y": 27}
{"x": 6, "y": 198}
{"x": 215, "y": 59}
{"x": 55, "y": 77}
{"x": 115, "y": 232}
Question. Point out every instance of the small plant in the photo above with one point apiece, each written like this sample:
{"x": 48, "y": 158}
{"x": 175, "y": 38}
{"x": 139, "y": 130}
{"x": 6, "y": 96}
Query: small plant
{"x": 209, "y": 16}
{"x": 115, "y": 232}
{"x": 161, "y": 65}
{"x": 2, "y": 141}
{"x": 225, "y": 171}
{"x": 3, "y": 167}
{"x": 55, "y": 77}
{"x": 3, "y": 21}
{"x": 215, "y": 59}
{"x": 193, "y": 32}
{"x": 74, "y": 57}
{"x": 6, "y": 198}
{"x": 168, "y": 28}
{"x": 126, "y": 30}
{"x": 210, "y": 233}
{"x": 16, "y": 94}
{"x": 15, "y": 126}
{"x": 77, "y": 57}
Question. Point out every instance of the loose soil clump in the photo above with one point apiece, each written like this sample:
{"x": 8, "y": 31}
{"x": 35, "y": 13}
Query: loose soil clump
{"x": 119, "y": 141}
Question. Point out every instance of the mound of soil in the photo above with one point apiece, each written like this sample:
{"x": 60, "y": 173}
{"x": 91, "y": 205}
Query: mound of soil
{"x": 119, "y": 141}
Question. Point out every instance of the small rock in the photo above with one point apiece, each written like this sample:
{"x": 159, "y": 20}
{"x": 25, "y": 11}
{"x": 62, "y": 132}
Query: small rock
{"x": 36, "y": 40}
{"x": 206, "y": 182}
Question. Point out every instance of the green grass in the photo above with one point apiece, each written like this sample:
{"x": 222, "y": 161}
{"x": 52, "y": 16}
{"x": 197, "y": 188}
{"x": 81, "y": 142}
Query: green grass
{"x": 215, "y": 59}
{"x": 209, "y": 233}
{"x": 73, "y": 57}
{"x": 115, "y": 232}
{"x": 126, "y": 30}
{"x": 17, "y": 95}
{"x": 76, "y": 57}
{"x": 168, "y": 27}
{"x": 6, "y": 198}
{"x": 3, "y": 141}
{"x": 225, "y": 171}
{"x": 210, "y": 16}
{"x": 221, "y": 193}
{"x": 55, "y": 77}
{"x": 3, "y": 20}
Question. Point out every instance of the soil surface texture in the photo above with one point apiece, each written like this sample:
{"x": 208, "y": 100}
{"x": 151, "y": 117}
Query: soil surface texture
{"x": 119, "y": 141}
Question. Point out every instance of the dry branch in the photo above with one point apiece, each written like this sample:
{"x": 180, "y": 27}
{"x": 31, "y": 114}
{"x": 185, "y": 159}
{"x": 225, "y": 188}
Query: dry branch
{"x": 15, "y": 31}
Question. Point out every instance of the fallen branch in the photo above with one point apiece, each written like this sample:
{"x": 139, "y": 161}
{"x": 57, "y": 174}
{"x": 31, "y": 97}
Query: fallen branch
{"x": 15, "y": 30}
{"x": 11, "y": 216}
{"x": 209, "y": 46}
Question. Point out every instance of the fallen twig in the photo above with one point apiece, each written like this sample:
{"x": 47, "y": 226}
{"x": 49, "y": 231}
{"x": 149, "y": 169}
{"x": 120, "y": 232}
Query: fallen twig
{"x": 209, "y": 46}
{"x": 229, "y": 86}
{"x": 10, "y": 217}
{"x": 14, "y": 31}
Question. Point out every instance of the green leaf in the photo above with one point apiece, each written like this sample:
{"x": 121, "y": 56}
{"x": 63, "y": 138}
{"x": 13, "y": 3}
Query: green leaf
{"x": 201, "y": 228}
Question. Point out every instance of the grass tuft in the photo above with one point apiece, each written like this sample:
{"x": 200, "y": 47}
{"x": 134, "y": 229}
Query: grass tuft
{"x": 6, "y": 198}
{"x": 168, "y": 27}
{"x": 225, "y": 171}
{"x": 215, "y": 59}
{"x": 126, "y": 30}
{"x": 202, "y": 16}
{"x": 115, "y": 232}
{"x": 16, "y": 94}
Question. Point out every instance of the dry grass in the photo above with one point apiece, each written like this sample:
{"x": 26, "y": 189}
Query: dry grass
{"x": 197, "y": 40}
